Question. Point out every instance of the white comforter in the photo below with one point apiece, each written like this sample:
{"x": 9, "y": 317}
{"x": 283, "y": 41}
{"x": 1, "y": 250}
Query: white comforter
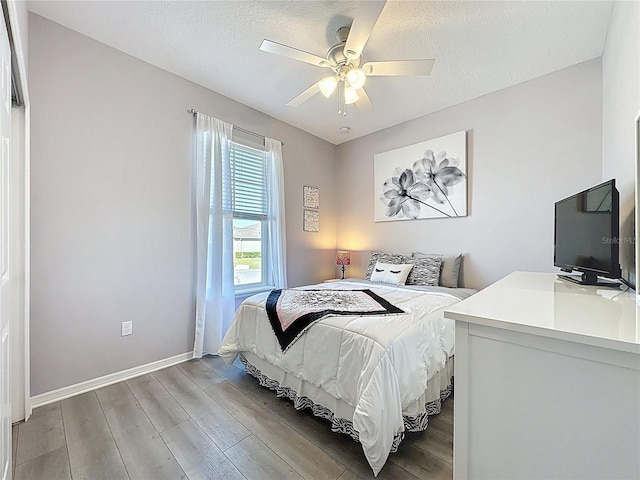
{"x": 378, "y": 365}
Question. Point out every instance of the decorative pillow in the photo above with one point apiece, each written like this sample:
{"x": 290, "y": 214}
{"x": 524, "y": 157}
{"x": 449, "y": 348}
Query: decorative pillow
{"x": 426, "y": 270}
{"x": 393, "y": 273}
{"x": 384, "y": 257}
{"x": 450, "y": 267}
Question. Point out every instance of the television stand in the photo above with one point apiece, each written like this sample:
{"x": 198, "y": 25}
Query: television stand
{"x": 589, "y": 279}
{"x": 545, "y": 362}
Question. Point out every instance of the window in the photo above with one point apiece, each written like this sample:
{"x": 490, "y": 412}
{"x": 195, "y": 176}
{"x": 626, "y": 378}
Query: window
{"x": 250, "y": 215}
{"x": 236, "y": 184}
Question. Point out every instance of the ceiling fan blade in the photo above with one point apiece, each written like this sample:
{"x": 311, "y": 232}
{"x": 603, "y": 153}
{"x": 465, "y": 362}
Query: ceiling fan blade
{"x": 304, "y": 96}
{"x": 363, "y": 104}
{"x": 398, "y": 67}
{"x": 294, "y": 53}
{"x": 364, "y": 20}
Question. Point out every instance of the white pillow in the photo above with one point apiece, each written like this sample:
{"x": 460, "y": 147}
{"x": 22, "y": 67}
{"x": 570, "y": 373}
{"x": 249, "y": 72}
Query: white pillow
{"x": 395, "y": 274}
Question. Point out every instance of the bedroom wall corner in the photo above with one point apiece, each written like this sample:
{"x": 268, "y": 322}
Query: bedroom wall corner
{"x": 528, "y": 146}
{"x": 620, "y": 112}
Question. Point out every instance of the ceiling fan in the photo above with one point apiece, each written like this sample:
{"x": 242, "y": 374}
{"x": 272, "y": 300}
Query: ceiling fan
{"x": 344, "y": 59}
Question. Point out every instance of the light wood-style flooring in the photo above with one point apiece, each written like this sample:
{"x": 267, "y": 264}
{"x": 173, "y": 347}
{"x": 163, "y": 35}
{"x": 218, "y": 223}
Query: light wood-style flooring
{"x": 204, "y": 420}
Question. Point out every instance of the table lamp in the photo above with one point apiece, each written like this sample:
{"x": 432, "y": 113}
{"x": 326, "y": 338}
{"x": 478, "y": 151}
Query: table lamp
{"x": 343, "y": 257}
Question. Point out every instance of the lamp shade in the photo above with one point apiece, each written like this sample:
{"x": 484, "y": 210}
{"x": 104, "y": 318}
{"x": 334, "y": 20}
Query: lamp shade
{"x": 328, "y": 85}
{"x": 343, "y": 257}
{"x": 356, "y": 78}
{"x": 350, "y": 95}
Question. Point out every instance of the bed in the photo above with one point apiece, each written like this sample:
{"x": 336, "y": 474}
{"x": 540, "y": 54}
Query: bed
{"x": 373, "y": 377}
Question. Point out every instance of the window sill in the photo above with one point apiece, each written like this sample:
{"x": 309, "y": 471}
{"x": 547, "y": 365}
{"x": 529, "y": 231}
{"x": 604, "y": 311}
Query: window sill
{"x": 252, "y": 290}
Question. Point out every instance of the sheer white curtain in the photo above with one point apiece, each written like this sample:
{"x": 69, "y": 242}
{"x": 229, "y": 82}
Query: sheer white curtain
{"x": 215, "y": 300}
{"x": 276, "y": 234}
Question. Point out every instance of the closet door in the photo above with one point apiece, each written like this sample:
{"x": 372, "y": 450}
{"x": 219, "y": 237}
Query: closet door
{"x": 5, "y": 284}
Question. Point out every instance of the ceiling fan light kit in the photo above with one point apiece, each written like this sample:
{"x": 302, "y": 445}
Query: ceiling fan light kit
{"x": 344, "y": 60}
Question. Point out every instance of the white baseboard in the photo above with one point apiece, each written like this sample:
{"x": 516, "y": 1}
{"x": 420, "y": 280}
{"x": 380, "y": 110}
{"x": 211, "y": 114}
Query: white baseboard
{"x": 88, "y": 385}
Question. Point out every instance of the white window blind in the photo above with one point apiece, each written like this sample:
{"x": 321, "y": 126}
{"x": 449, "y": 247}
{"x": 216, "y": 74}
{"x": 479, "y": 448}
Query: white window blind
{"x": 248, "y": 189}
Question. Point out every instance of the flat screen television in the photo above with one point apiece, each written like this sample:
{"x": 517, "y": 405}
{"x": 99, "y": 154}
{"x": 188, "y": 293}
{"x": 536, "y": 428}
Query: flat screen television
{"x": 586, "y": 235}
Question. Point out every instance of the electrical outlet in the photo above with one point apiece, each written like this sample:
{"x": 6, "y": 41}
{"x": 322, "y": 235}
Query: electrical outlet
{"x": 127, "y": 328}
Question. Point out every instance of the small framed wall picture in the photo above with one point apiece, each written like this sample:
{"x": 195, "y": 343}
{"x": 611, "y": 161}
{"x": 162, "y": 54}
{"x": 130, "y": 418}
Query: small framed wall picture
{"x": 310, "y": 197}
{"x": 311, "y": 221}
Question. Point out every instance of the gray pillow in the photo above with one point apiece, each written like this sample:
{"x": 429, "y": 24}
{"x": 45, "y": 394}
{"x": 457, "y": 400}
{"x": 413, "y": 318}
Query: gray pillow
{"x": 425, "y": 271}
{"x": 450, "y": 267}
{"x": 383, "y": 257}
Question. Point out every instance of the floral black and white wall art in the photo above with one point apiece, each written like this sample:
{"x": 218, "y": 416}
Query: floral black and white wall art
{"x": 425, "y": 180}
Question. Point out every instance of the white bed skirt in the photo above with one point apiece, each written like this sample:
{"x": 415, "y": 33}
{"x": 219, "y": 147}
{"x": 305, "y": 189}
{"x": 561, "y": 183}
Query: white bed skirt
{"x": 341, "y": 413}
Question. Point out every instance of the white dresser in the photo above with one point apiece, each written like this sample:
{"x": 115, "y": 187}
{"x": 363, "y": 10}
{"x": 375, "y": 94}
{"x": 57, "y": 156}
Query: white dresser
{"x": 547, "y": 381}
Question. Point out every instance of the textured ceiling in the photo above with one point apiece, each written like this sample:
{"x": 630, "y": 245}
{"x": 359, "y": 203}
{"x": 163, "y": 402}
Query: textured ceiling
{"x": 479, "y": 47}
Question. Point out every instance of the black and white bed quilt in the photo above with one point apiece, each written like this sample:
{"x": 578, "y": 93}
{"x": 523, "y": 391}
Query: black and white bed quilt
{"x": 291, "y": 312}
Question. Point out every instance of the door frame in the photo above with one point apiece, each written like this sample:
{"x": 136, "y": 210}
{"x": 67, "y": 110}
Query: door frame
{"x": 16, "y": 20}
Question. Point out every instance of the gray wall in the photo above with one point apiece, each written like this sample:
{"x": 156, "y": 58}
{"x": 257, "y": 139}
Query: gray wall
{"x": 528, "y": 146}
{"x": 111, "y": 213}
{"x": 620, "y": 111}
